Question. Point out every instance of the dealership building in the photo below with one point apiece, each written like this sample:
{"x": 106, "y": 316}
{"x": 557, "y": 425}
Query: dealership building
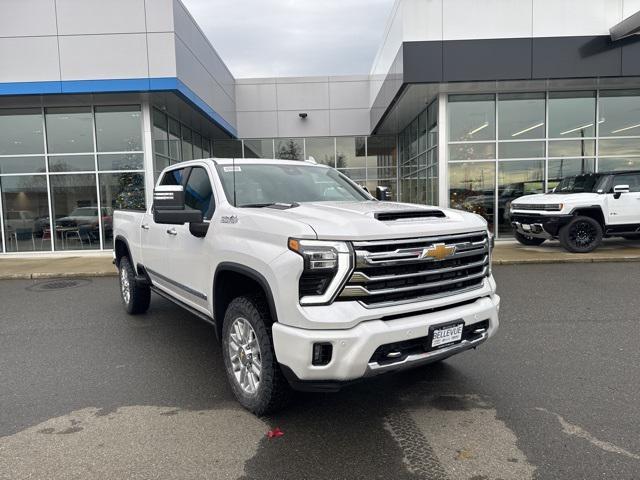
{"x": 468, "y": 104}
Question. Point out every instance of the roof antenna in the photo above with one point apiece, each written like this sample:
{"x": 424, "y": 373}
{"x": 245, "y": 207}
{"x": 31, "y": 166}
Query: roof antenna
{"x": 235, "y": 203}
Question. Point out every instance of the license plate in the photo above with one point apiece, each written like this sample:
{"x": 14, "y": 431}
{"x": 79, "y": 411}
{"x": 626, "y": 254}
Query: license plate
{"x": 526, "y": 227}
{"x": 448, "y": 334}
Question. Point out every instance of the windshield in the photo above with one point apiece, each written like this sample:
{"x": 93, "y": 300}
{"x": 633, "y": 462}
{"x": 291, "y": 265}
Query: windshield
{"x": 265, "y": 184}
{"x": 577, "y": 184}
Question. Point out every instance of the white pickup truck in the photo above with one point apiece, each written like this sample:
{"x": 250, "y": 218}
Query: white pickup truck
{"x": 580, "y": 211}
{"x": 309, "y": 281}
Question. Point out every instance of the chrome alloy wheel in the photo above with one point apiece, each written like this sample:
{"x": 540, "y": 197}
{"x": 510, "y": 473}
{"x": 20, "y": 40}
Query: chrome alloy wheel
{"x": 125, "y": 287}
{"x": 244, "y": 353}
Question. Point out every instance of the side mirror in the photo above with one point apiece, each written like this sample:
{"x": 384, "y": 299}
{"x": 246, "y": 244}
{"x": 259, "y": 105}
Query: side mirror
{"x": 169, "y": 208}
{"x": 619, "y": 190}
{"x": 382, "y": 193}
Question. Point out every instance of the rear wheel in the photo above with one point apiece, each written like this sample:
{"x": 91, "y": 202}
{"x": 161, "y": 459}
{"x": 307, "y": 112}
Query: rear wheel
{"x": 135, "y": 297}
{"x": 527, "y": 240}
{"x": 581, "y": 235}
{"x": 249, "y": 358}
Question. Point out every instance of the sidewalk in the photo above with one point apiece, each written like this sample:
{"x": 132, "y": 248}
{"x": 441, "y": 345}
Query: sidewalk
{"x": 506, "y": 253}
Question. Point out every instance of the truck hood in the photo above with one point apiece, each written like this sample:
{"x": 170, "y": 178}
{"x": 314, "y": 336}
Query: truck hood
{"x": 369, "y": 220}
{"x": 549, "y": 198}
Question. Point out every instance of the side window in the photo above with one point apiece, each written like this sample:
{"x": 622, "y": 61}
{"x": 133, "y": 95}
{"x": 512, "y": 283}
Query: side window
{"x": 631, "y": 179}
{"x": 198, "y": 193}
{"x": 173, "y": 177}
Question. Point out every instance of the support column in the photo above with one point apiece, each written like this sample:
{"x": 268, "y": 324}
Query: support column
{"x": 147, "y": 141}
{"x": 443, "y": 152}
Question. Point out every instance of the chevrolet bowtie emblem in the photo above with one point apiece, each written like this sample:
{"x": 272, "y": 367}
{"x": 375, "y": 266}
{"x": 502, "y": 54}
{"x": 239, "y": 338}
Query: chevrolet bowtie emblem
{"x": 438, "y": 251}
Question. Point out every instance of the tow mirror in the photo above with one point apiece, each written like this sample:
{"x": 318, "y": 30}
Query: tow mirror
{"x": 169, "y": 207}
{"x": 619, "y": 190}
{"x": 382, "y": 193}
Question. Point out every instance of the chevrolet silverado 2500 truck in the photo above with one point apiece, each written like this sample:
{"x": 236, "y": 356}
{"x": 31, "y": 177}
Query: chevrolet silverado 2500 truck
{"x": 580, "y": 211}
{"x": 309, "y": 281}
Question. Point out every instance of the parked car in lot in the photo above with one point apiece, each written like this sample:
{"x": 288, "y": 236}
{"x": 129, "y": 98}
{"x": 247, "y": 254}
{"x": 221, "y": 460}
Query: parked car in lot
{"x": 309, "y": 281}
{"x": 580, "y": 211}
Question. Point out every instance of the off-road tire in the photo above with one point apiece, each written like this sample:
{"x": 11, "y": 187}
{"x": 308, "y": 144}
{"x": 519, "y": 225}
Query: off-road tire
{"x": 529, "y": 241}
{"x": 273, "y": 391}
{"x": 139, "y": 295}
{"x": 581, "y": 235}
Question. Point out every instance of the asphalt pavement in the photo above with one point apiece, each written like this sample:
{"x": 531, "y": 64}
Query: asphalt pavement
{"x": 87, "y": 391}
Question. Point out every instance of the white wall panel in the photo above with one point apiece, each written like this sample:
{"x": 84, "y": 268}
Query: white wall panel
{"x": 348, "y": 94}
{"x": 554, "y": 18}
{"x": 103, "y": 56}
{"x": 159, "y": 15}
{"x": 350, "y": 122}
{"x": 22, "y": 18}
{"x": 29, "y": 59}
{"x": 629, "y": 7}
{"x": 422, "y": 20}
{"x": 162, "y": 54}
{"x": 100, "y": 16}
{"x": 300, "y": 96}
{"x": 465, "y": 19}
{"x": 291, "y": 125}
{"x": 260, "y": 97}
{"x": 257, "y": 124}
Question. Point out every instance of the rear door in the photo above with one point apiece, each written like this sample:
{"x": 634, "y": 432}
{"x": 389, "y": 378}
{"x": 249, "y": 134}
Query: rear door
{"x": 191, "y": 258}
{"x": 625, "y": 210}
{"x": 155, "y": 237}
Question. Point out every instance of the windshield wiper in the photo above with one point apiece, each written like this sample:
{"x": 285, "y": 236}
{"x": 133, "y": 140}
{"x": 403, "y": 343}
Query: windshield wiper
{"x": 276, "y": 205}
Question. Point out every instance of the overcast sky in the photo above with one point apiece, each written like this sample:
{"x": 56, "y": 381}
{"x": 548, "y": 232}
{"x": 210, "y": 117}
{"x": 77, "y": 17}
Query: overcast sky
{"x": 264, "y": 38}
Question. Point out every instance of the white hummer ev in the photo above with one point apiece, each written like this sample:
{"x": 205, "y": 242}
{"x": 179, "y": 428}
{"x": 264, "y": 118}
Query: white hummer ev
{"x": 580, "y": 211}
{"x": 309, "y": 281}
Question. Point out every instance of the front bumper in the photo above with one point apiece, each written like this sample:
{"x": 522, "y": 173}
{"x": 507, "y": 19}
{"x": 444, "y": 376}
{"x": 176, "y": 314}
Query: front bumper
{"x": 354, "y": 348}
{"x": 539, "y": 225}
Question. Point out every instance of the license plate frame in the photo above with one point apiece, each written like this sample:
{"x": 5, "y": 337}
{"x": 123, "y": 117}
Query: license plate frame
{"x": 454, "y": 331}
{"x": 526, "y": 227}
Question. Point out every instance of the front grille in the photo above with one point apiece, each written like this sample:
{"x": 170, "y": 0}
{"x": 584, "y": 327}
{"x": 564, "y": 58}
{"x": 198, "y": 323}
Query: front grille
{"x": 409, "y": 270}
{"x": 549, "y": 207}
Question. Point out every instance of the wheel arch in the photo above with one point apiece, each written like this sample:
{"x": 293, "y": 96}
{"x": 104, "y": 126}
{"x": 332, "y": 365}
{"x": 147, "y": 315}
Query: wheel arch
{"x": 233, "y": 279}
{"x": 594, "y": 211}
{"x": 121, "y": 249}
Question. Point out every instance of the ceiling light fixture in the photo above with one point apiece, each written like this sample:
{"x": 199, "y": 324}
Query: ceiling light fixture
{"x": 581, "y": 127}
{"x": 528, "y": 129}
{"x": 625, "y": 128}
{"x": 476, "y": 130}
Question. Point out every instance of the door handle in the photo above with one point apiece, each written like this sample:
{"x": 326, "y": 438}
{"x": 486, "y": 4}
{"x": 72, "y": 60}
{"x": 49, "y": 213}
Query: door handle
{"x": 144, "y": 226}
{"x": 172, "y": 231}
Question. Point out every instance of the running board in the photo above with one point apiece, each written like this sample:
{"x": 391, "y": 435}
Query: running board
{"x": 193, "y": 311}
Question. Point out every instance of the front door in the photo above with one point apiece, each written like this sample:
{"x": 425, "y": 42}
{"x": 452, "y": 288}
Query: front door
{"x": 625, "y": 210}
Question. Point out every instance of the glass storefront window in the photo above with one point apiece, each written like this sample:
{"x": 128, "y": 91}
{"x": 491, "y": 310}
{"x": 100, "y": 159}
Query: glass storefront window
{"x": 520, "y": 149}
{"x": 390, "y": 184}
{"x": 619, "y": 147}
{"x": 159, "y": 133}
{"x": 322, "y": 150}
{"x": 472, "y": 151}
{"x": 289, "y": 148}
{"x": 422, "y": 131}
{"x": 615, "y": 164}
{"x": 71, "y": 163}
{"x": 521, "y": 116}
{"x": 472, "y": 188}
{"x": 227, "y": 148}
{"x": 197, "y": 145}
{"x": 187, "y": 146}
{"x": 572, "y": 148}
{"x": 25, "y": 213}
{"x": 119, "y": 191}
{"x": 516, "y": 179}
{"x": 21, "y": 165}
{"x": 619, "y": 113}
{"x": 381, "y": 152}
{"x": 174, "y": 140}
{"x": 558, "y": 169}
{"x": 75, "y": 212}
{"x": 69, "y": 129}
{"x": 472, "y": 118}
{"x": 358, "y": 175}
{"x": 121, "y": 161}
{"x": 350, "y": 152}
{"x": 258, "y": 148}
{"x": 572, "y": 114}
{"x": 118, "y": 129}
{"x": 21, "y": 131}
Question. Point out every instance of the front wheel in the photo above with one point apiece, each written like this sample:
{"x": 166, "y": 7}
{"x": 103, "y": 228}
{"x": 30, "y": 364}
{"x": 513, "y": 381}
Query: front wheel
{"x": 581, "y": 235}
{"x": 249, "y": 357}
{"x": 135, "y": 297}
{"x": 529, "y": 241}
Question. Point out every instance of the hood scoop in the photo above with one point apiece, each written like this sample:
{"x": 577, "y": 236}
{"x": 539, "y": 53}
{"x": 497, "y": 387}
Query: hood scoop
{"x": 408, "y": 215}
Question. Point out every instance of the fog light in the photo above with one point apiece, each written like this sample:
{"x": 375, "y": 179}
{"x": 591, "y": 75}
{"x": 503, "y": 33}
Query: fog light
{"x": 321, "y": 353}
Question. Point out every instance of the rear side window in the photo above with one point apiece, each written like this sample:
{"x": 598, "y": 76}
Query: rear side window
{"x": 631, "y": 179}
{"x": 198, "y": 193}
{"x": 173, "y": 177}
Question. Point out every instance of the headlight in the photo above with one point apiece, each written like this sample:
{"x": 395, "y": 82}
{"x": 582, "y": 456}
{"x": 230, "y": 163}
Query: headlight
{"x": 326, "y": 266}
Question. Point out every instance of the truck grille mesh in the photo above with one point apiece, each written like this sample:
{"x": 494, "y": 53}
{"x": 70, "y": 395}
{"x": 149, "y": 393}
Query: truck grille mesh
{"x": 410, "y": 270}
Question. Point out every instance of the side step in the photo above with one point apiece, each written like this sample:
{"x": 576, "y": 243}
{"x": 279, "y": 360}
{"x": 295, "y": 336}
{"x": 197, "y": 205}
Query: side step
{"x": 191, "y": 310}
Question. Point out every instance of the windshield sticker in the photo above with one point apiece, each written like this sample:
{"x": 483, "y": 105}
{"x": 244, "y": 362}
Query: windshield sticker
{"x": 232, "y": 169}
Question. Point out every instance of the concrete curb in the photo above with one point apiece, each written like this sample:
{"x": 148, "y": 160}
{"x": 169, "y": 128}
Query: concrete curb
{"x": 43, "y": 276}
{"x": 546, "y": 261}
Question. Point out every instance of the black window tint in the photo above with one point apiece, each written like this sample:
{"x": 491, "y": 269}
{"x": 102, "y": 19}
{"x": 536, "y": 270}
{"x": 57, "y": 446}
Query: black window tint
{"x": 632, "y": 179}
{"x": 198, "y": 194}
{"x": 173, "y": 177}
